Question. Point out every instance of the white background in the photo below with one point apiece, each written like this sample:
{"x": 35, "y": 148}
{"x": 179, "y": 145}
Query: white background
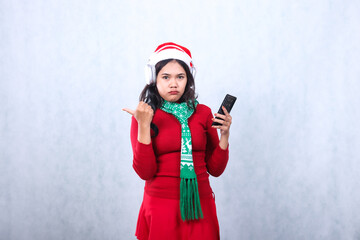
{"x": 68, "y": 67}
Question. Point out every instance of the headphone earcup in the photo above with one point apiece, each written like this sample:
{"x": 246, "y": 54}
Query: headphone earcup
{"x": 148, "y": 73}
{"x": 153, "y": 74}
{"x": 193, "y": 72}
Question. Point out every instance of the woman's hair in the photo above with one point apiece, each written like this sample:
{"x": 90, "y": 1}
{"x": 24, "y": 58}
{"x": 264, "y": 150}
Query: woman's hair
{"x": 151, "y": 96}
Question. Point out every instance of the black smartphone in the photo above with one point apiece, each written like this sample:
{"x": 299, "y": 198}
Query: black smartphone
{"x": 228, "y": 103}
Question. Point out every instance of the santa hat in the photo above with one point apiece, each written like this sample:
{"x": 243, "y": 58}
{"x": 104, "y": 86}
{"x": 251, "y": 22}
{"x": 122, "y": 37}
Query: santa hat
{"x": 167, "y": 51}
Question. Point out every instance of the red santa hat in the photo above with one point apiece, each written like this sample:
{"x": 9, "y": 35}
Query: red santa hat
{"x": 167, "y": 51}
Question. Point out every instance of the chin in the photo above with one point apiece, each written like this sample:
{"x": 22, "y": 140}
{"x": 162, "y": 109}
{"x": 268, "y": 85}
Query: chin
{"x": 172, "y": 99}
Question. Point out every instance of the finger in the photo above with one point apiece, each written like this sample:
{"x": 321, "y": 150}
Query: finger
{"x": 220, "y": 116}
{"x": 141, "y": 104}
{"x": 225, "y": 111}
{"x": 148, "y": 108}
{"x": 132, "y": 112}
{"x": 144, "y": 105}
{"x": 227, "y": 116}
{"x": 218, "y": 120}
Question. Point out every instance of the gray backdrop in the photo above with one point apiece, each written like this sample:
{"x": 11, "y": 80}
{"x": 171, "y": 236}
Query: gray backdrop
{"x": 68, "y": 67}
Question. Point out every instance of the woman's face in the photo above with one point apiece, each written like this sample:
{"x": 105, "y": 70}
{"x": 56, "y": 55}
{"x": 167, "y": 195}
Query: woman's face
{"x": 171, "y": 81}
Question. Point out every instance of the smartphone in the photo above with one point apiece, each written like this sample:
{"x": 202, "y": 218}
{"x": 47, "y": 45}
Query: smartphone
{"x": 228, "y": 103}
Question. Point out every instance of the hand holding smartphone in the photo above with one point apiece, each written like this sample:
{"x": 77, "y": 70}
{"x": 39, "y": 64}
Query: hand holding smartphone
{"x": 228, "y": 103}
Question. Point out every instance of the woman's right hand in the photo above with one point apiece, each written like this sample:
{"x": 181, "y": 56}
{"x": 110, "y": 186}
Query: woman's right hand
{"x": 143, "y": 113}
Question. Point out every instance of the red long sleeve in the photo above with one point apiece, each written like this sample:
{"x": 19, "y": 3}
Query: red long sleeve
{"x": 216, "y": 157}
{"x": 159, "y": 161}
{"x": 144, "y": 162}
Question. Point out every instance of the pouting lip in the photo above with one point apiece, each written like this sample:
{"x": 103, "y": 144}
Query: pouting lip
{"x": 174, "y": 92}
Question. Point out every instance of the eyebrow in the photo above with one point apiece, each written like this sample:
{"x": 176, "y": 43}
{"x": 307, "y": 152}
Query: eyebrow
{"x": 170, "y": 74}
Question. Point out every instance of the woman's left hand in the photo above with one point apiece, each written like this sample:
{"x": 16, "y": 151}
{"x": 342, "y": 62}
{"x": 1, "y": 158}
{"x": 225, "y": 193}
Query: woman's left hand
{"x": 225, "y": 121}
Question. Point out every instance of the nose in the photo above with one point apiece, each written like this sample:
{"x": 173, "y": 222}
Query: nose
{"x": 173, "y": 83}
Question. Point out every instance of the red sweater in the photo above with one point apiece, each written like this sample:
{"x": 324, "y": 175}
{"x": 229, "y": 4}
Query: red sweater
{"x": 159, "y": 162}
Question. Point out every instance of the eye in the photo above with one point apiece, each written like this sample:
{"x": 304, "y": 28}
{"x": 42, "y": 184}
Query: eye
{"x": 165, "y": 77}
{"x": 181, "y": 77}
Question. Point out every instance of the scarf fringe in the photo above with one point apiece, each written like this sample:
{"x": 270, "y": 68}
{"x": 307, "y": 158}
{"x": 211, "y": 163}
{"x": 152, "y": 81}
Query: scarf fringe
{"x": 190, "y": 206}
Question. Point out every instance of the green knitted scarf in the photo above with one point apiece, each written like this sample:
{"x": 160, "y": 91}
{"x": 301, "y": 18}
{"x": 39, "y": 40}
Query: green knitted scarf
{"x": 190, "y": 206}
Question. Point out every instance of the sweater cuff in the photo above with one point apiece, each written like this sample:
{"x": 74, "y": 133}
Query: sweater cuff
{"x": 143, "y": 149}
{"x": 224, "y": 150}
{"x": 220, "y": 153}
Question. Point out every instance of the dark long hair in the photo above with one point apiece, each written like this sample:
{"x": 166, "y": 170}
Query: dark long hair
{"x": 151, "y": 96}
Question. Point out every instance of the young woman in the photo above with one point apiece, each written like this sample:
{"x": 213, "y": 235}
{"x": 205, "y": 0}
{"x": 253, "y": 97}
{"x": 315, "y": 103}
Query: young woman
{"x": 175, "y": 149}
